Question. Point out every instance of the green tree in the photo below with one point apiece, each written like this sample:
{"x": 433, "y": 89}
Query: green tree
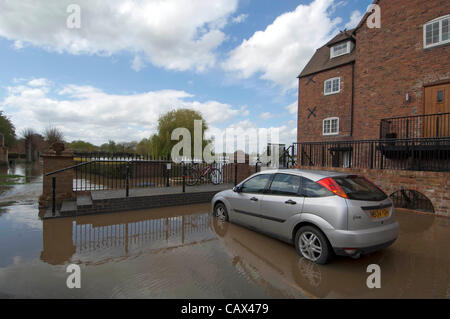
{"x": 144, "y": 147}
{"x": 82, "y": 146}
{"x": 127, "y": 147}
{"x": 8, "y": 130}
{"x": 110, "y": 147}
{"x": 162, "y": 144}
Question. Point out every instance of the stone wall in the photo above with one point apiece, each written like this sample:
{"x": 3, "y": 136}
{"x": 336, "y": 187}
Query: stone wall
{"x": 243, "y": 171}
{"x": 64, "y": 180}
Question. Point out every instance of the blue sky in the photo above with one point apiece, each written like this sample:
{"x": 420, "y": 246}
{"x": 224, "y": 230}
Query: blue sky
{"x": 235, "y": 61}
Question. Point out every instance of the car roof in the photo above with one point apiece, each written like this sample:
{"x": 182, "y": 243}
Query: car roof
{"x": 314, "y": 175}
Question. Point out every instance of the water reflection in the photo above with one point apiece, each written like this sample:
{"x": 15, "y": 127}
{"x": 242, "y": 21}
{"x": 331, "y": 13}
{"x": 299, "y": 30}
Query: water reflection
{"x": 183, "y": 252}
{"x": 26, "y": 188}
{"x": 414, "y": 267}
{"x": 104, "y": 238}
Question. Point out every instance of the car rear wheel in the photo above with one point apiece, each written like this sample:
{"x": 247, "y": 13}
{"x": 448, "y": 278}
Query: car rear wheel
{"x": 220, "y": 211}
{"x": 312, "y": 244}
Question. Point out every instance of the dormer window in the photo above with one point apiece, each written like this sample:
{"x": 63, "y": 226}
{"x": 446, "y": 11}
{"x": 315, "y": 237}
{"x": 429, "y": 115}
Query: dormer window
{"x": 436, "y": 32}
{"x": 341, "y": 49}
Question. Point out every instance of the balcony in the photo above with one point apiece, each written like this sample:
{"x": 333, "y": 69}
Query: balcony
{"x": 424, "y": 154}
{"x": 419, "y": 126}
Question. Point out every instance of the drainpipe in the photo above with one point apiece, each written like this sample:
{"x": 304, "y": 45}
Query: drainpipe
{"x": 353, "y": 99}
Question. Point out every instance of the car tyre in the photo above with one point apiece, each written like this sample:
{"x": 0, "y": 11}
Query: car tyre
{"x": 221, "y": 212}
{"x": 313, "y": 245}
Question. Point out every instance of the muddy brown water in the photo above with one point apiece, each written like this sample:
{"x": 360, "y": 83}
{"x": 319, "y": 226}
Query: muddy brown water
{"x": 183, "y": 252}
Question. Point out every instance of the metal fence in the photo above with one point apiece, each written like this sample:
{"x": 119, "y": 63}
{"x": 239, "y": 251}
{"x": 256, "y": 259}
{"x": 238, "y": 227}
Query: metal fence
{"x": 398, "y": 154}
{"x": 104, "y": 171}
{"x": 419, "y": 126}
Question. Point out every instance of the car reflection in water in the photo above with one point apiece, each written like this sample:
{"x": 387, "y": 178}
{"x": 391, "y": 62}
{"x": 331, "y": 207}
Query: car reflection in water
{"x": 403, "y": 266}
{"x": 187, "y": 252}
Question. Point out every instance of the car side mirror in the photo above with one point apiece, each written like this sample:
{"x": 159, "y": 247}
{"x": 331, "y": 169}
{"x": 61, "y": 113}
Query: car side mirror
{"x": 237, "y": 189}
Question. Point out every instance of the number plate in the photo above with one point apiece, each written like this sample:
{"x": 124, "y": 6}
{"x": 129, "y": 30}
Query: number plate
{"x": 380, "y": 213}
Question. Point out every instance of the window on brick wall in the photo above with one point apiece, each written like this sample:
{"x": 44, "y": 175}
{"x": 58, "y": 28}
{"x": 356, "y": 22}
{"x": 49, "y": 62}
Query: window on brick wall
{"x": 331, "y": 126}
{"x": 341, "y": 49}
{"x": 332, "y": 86}
{"x": 436, "y": 32}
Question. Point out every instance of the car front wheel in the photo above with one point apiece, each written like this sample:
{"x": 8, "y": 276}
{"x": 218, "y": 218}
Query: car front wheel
{"x": 220, "y": 211}
{"x": 312, "y": 244}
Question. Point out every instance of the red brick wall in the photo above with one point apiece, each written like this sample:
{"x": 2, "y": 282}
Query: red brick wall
{"x": 64, "y": 180}
{"x": 391, "y": 62}
{"x": 434, "y": 185}
{"x": 336, "y": 105}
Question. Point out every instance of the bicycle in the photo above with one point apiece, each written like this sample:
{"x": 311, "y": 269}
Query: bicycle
{"x": 195, "y": 175}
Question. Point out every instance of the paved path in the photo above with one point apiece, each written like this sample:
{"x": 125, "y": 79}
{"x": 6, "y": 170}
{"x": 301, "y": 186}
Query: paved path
{"x": 153, "y": 191}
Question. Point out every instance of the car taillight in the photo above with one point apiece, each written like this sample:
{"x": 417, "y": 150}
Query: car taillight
{"x": 332, "y": 186}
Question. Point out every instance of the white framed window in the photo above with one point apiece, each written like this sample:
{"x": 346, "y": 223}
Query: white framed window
{"x": 436, "y": 32}
{"x": 341, "y": 49}
{"x": 332, "y": 86}
{"x": 331, "y": 126}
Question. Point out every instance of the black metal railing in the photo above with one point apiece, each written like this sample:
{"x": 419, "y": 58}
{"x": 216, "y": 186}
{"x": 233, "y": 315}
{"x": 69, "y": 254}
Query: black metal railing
{"x": 400, "y": 154}
{"x": 108, "y": 171}
{"x": 287, "y": 156}
{"x": 419, "y": 126}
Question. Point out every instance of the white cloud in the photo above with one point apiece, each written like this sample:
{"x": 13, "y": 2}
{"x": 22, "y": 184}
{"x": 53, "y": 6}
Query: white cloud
{"x": 240, "y": 18}
{"x": 266, "y": 115}
{"x": 39, "y": 82}
{"x": 88, "y": 113}
{"x": 293, "y": 108}
{"x": 18, "y": 45}
{"x": 174, "y": 34}
{"x": 278, "y": 53}
{"x": 137, "y": 64}
{"x": 355, "y": 18}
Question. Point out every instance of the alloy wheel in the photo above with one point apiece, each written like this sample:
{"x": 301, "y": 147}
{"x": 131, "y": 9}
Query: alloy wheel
{"x": 310, "y": 246}
{"x": 220, "y": 213}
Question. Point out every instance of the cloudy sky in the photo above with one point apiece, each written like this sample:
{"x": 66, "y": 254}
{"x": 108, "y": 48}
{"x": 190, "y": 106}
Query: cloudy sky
{"x": 235, "y": 61}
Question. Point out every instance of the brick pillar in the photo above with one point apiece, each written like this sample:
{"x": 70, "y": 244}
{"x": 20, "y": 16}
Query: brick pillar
{"x": 3, "y": 151}
{"x": 53, "y": 161}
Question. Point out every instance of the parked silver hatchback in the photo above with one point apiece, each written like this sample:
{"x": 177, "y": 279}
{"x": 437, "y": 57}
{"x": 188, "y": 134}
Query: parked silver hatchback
{"x": 322, "y": 213}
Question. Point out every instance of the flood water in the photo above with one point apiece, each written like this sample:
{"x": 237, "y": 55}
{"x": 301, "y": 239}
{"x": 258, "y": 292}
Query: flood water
{"x": 183, "y": 252}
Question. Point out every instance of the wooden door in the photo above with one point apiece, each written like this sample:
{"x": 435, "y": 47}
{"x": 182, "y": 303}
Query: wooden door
{"x": 437, "y": 100}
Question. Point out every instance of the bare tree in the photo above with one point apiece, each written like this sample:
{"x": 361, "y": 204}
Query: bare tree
{"x": 53, "y": 135}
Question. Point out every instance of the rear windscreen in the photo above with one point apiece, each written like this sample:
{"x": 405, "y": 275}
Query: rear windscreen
{"x": 359, "y": 188}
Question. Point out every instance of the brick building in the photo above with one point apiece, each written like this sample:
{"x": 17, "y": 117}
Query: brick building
{"x": 368, "y": 74}
{"x": 376, "y": 101}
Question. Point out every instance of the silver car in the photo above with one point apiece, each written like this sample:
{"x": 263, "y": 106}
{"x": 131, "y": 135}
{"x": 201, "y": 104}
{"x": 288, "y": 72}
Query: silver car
{"x": 322, "y": 213}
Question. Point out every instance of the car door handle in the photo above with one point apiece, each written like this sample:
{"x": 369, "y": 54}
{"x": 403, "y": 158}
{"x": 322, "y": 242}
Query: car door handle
{"x": 290, "y": 202}
{"x": 254, "y": 199}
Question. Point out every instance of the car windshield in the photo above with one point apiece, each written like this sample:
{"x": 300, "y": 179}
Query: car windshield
{"x": 359, "y": 188}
